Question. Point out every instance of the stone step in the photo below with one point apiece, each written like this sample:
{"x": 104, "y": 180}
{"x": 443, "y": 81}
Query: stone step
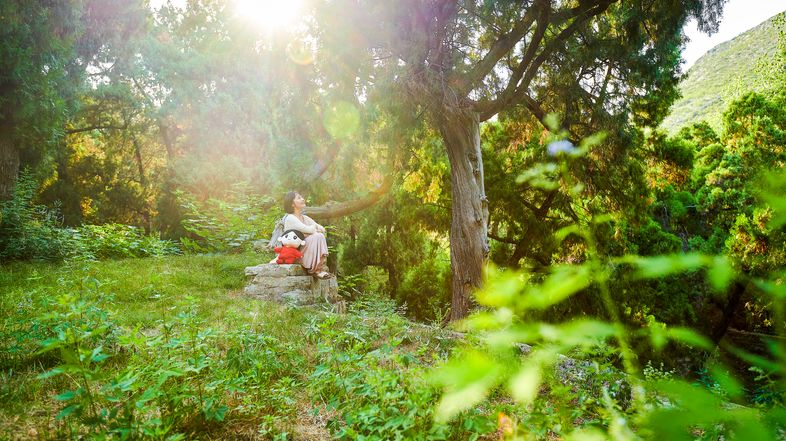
{"x": 282, "y": 284}
{"x": 276, "y": 270}
{"x": 290, "y": 284}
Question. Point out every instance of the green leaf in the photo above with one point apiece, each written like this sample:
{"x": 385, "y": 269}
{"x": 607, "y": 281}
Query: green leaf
{"x": 467, "y": 380}
{"x": 51, "y": 373}
{"x": 772, "y": 289}
{"x": 690, "y": 338}
{"x": 501, "y": 289}
{"x": 720, "y": 273}
{"x": 592, "y": 140}
{"x": 525, "y": 384}
{"x": 584, "y": 332}
{"x": 97, "y": 356}
{"x": 552, "y": 121}
{"x": 756, "y": 360}
{"x": 562, "y": 283}
{"x": 564, "y": 232}
{"x": 65, "y": 396}
{"x": 68, "y": 411}
{"x": 726, "y": 381}
{"x": 590, "y": 434}
{"x": 659, "y": 336}
{"x": 662, "y": 266}
{"x": 454, "y": 402}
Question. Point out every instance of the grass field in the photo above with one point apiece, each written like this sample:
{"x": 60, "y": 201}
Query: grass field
{"x": 169, "y": 348}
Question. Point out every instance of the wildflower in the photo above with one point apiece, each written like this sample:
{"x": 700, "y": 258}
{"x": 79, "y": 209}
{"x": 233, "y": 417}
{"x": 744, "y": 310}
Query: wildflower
{"x": 563, "y": 146}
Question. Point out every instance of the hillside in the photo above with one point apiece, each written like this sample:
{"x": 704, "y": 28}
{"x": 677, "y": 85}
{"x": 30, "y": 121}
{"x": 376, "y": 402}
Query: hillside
{"x": 722, "y": 74}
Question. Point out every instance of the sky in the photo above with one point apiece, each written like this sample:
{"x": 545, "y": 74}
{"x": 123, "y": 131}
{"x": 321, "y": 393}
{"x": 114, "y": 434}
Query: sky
{"x": 738, "y": 17}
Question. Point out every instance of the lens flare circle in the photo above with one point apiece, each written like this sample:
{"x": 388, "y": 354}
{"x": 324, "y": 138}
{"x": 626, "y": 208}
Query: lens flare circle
{"x": 300, "y": 52}
{"x": 341, "y": 120}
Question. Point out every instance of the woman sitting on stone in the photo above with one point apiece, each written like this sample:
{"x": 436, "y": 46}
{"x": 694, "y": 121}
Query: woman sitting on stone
{"x": 315, "y": 250}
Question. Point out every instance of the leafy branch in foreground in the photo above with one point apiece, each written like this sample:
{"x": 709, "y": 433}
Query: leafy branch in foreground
{"x": 664, "y": 408}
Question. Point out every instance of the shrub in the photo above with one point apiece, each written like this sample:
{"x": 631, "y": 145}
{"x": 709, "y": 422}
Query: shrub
{"x": 30, "y": 231}
{"x": 230, "y": 225}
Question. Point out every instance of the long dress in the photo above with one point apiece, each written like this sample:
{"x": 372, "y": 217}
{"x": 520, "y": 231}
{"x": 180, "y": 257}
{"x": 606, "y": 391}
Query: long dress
{"x": 315, "y": 249}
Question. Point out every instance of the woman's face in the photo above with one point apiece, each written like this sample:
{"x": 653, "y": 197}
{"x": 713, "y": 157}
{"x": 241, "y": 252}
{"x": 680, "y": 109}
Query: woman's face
{"x": 298, "y": 202}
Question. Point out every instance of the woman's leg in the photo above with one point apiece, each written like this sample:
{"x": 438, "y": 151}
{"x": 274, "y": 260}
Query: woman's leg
{"x": 314, "y": 253}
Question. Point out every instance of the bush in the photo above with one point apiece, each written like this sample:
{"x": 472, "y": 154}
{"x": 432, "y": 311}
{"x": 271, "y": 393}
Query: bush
{"x": 27, "y": 230}
{"x": 230, "y": 225}
{"x": 30, "y": 231}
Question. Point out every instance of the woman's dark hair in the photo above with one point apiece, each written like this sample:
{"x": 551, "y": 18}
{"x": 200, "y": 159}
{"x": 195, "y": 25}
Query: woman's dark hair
{"x": 289, "y": 199}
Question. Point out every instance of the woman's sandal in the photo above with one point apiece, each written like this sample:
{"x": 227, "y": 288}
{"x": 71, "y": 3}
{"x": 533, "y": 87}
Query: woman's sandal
{"x": 323, "y": 275}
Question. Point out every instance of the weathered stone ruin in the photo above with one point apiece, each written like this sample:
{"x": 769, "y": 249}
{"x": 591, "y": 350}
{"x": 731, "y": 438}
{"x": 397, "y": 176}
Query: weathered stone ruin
{"x": 290, "y": 284}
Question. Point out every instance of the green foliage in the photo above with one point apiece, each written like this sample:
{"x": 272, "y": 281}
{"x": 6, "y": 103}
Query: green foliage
{"x": 359, "y": 374}
{"x": 662, "y": 407}
{"x": 228, "y": 225}
{"x": 725, "y": 73}
{"x": 30, "y": 231}
{"x": 186, "y": 360}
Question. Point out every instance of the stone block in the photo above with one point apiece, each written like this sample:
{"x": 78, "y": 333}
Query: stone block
{"x": 282, "y": 284}
{"x": 276, "y": 270}
{"x": 326, "y": 289}
{"x": 292, "y": 285}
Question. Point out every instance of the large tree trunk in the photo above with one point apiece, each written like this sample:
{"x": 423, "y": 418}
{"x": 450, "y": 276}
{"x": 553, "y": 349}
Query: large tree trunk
{"x": 9, "y": 165}
{"x": 460, "y": 130}
{"x": 732, "y": 303}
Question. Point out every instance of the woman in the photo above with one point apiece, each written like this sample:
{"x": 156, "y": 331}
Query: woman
{"x": 315, "y": 250}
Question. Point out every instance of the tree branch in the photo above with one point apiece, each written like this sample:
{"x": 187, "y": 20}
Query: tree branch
{"x": 332, "y": 209}
{"x": 498, "y": 50}
{"x": 95, "y": 127}
{"x": 516, "y": 92}
{"x": 502, "y": 239}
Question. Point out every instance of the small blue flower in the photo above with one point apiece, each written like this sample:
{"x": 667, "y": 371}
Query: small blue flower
{"x": 557, "y": 147}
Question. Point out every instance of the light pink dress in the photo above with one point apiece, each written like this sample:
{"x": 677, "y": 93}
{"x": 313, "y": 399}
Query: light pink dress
{"x": 316, "y": 245}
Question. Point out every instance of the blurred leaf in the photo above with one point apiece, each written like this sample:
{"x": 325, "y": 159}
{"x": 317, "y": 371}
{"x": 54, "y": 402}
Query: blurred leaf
{"x": 483, "y": 320}
{"x": 756, "y": 360}
{"x": 500, "y": 289}
{"x": 602, "y": 219}
{"x": 457, "y": 401}
{"x": 720, "y": 273}
{"x": 564, "y": 281}
{"x": 467, "y": 380}
{"x": 749, "y": 428}
{"x": 659, "y": 335}
{"x": 50, "y": 373}
{"x": 726, "y": 381}
{"x": 592, "y": 140}
{"x": 771, "y": 288}
{"x": 504, "y": 338}
{"x": 67, "y": 411}
{"x": 552, "y": 121}
{"x": 543, "y": 176}
{"x": 773, "y": 191}
{"x": 690, "y": 338}
{"x": 97, "y": 356}
{"x": 586, "y": 434}
{"x": 564, "y": 232}
{"x": 586, "y": 331}
{"x": 661, "y": 266}
{"x": 65, "y": 396}
{"x": 525, "y": 384}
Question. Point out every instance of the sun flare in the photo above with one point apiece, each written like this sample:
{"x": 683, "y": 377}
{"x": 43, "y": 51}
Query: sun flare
{"x": 270, "y": 14}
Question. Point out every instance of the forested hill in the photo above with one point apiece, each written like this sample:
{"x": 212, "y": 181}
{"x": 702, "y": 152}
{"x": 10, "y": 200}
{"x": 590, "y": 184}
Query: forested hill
{"x": 722, "y": 74}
